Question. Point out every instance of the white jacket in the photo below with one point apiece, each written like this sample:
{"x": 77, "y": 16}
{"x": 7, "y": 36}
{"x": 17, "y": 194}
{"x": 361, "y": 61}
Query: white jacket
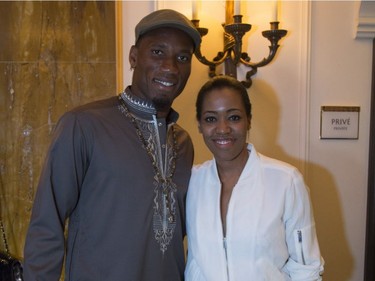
{"x": 270, "y": 226}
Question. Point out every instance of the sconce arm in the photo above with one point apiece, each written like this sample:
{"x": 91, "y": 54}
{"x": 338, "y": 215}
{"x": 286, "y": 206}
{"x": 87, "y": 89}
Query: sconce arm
{"x": 246, "y": 60}
{"x": 273, "y": 35}
{"x": 219, "y": 59}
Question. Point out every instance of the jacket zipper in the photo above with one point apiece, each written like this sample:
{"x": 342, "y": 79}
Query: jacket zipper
{"x": 226, "y": 255}
{"x": 299, "y": 232}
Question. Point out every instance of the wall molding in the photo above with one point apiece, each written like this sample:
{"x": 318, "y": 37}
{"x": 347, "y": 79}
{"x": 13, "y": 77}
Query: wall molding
{"x": 365, "y": 25}
{"x": 366, "y": 30}
{"x": 305, "y": 87}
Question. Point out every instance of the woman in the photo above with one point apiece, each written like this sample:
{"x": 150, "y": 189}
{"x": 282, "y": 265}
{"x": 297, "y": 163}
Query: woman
{"x": 249, "y": 217}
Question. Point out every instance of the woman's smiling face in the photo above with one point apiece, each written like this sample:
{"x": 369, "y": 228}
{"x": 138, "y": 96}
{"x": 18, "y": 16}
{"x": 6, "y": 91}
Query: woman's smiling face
{"x": 224, "y": 124}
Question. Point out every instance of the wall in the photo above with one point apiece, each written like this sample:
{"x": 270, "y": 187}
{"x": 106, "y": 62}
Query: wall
{"x": 319, "y": 63}
{"x": 340, "y": 75}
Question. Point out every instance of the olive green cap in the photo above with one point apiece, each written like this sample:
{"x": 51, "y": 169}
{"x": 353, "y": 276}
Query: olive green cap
{"x": 167, "y": 18}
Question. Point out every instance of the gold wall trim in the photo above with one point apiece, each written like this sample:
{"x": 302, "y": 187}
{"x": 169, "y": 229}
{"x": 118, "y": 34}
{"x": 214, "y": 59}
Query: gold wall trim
{"x": 119, "y": 48}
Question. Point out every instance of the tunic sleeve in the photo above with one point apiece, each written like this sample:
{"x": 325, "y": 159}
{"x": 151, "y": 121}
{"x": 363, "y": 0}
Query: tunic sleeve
{"x": 305, "y": 261}
{"x": 56, "y": 197}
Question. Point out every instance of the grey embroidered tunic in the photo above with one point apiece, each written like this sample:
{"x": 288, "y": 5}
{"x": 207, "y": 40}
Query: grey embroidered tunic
{"x": 125, "y": 222}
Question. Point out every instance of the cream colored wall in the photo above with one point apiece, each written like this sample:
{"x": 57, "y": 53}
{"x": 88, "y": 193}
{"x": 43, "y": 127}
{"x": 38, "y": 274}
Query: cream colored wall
{"x": 319, "y": 63}
{"x": 340, "y": 75}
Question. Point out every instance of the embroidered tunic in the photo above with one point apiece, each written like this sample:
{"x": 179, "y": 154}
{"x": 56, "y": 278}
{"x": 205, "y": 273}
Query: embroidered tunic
{"x": 270, "y": 234}
{"x": 97, "y": 174}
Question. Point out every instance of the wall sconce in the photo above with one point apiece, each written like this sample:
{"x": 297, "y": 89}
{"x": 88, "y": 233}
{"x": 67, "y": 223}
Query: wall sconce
{"x": 232, "y": 54}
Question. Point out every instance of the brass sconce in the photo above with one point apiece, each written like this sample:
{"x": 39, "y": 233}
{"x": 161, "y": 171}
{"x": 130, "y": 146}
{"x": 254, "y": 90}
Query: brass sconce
{"x": 232, "y": 54}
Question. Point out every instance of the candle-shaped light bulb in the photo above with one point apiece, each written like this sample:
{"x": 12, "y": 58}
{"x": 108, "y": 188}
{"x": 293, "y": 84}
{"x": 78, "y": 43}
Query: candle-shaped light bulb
{"x": 195, "y": 9}
{"x": 275, "y": 11}
{"x": 237, "y": 7}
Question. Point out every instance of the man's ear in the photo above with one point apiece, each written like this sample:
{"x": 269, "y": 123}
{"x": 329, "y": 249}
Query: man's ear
{"x": 199, "y": 128}
{"x": 133, "y": 54}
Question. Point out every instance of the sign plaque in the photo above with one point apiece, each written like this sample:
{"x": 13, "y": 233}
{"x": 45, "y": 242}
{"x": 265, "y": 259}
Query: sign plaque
{"x": 339, "y": 122}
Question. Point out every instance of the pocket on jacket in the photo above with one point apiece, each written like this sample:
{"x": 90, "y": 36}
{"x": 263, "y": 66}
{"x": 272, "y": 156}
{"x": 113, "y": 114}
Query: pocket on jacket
{"x": 305, "y": 243}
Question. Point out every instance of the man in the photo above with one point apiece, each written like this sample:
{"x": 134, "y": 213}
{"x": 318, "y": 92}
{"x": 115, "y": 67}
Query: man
{"x": 119, "y": 170}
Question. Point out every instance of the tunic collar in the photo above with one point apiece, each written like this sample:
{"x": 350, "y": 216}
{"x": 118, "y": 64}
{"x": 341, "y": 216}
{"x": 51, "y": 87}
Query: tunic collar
{"x": 144, "y": 109}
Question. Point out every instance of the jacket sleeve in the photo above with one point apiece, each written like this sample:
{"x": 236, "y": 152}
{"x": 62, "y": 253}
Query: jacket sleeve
{"x": 55, "y": 199}
{"x": 305, "y": 261}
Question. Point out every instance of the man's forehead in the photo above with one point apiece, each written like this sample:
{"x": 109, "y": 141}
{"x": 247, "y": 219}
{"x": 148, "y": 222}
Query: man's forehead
{"x": 163, "y": 35}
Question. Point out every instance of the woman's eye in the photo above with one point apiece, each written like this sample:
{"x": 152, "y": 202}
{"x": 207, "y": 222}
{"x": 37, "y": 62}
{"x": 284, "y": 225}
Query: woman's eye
{"x": 209, "y": 119}
{"x": 234, "y": 118}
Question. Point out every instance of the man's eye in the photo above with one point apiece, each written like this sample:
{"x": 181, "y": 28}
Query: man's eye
{"x": 184, "y": 58}
{"x": 157, "y": 52}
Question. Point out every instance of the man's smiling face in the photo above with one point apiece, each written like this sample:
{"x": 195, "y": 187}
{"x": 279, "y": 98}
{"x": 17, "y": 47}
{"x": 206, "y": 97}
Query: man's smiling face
{"x": 162, "y": 63}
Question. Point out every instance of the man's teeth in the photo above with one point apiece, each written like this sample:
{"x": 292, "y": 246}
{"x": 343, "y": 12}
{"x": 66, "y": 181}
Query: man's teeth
{"x": 164, "y": 83}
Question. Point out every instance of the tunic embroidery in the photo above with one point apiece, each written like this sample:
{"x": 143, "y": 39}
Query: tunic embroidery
{"x": 164, "y": 217}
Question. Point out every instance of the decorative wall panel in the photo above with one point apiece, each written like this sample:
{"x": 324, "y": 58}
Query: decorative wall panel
{"x": 54, "y": 55}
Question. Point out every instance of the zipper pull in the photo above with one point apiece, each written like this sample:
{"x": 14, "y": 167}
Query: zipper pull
{"x": 299, "y": 232}
{"x": 299, "y": 236}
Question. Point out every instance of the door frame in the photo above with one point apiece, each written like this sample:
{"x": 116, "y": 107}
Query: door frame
{"x": 369, "y": 273}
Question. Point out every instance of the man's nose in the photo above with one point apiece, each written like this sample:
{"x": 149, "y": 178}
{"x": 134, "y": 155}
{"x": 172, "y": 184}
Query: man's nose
{"x": 169, "y": 65}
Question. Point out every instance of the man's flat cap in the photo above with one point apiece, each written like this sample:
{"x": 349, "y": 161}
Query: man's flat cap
{"x": 167, "y": 18}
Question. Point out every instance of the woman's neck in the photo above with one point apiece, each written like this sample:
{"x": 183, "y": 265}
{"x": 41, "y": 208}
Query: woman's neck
{"x": 230, "y": 170}
{"x": 229, "y": 174}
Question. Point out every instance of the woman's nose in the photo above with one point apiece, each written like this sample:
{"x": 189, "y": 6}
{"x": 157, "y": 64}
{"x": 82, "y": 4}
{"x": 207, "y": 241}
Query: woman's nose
{"x": 223, "y": 127}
